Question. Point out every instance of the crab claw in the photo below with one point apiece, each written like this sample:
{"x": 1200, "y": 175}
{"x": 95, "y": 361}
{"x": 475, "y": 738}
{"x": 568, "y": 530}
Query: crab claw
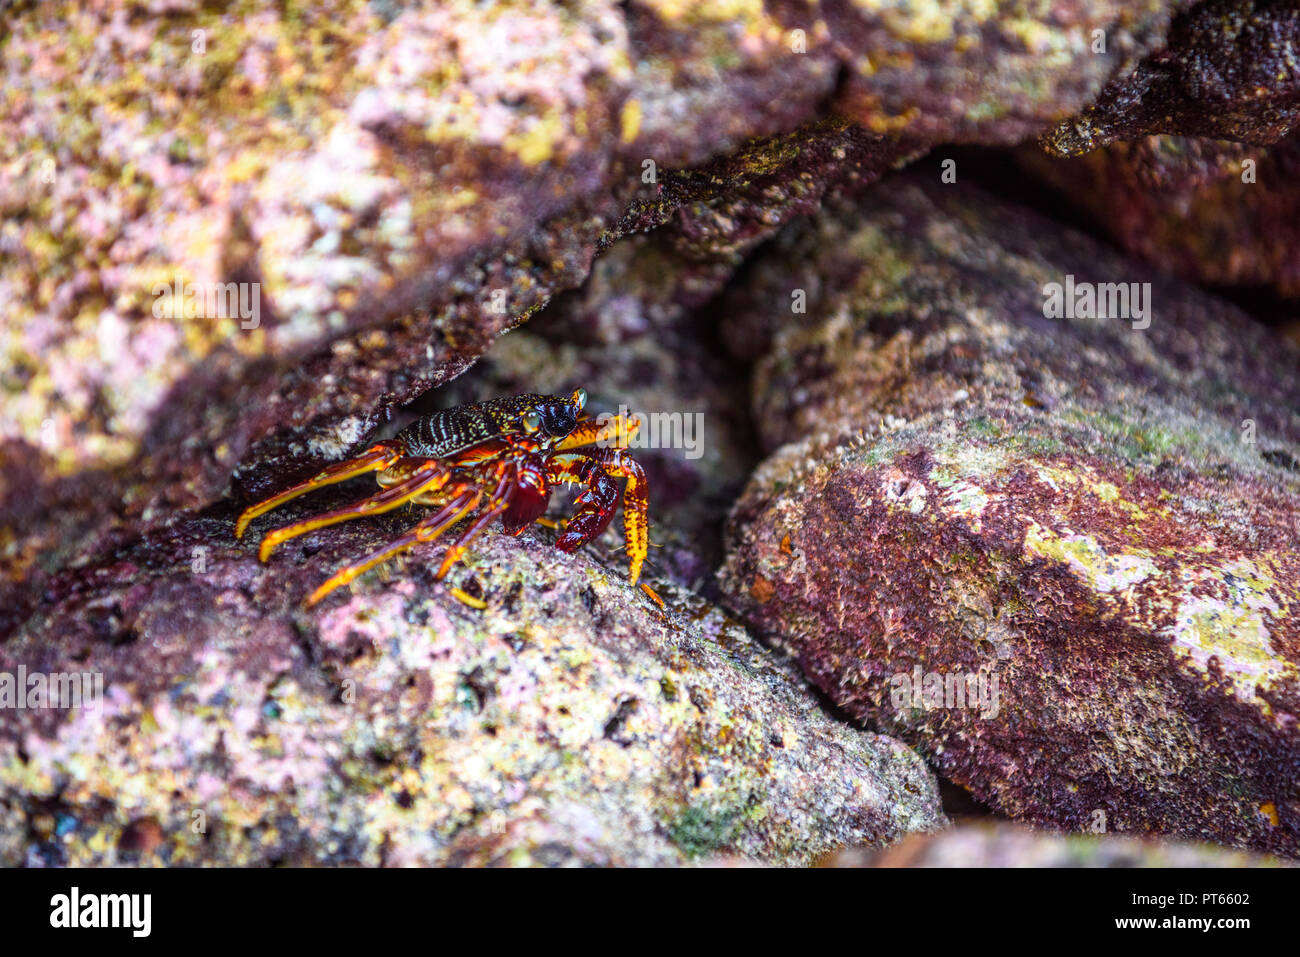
{"x": 528, "y": 500}
{"x": 596, "y": 506}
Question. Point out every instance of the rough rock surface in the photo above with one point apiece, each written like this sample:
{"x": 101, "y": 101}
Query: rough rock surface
{"x": 1103, "y": 519}
{"x": 1229, "y": 70}
{"x": 999, "y": 844}
{"x": 958, "y": 482}
{"x": 975, "y": 72}
{"x": 403, "y": 182}
{"x": 1219, "y": 213}
{"x": 570, "y": 721}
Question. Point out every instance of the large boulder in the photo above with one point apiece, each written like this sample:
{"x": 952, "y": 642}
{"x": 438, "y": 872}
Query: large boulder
{"x": 568, "y": 720}
{"x": 1054, "y": 552}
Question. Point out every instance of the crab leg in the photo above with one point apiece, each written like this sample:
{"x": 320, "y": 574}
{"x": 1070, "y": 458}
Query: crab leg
{"x": 464, "y": 501}
{"x": 425, "y": 479}
{"x": 375, "y": 459}
{"x": 636, "y": 521}
{"x": 615, "y": 430}
{"x": 596, "y": 468}
{"x": 499, "y": 501}
{"x": 596, "y": 503}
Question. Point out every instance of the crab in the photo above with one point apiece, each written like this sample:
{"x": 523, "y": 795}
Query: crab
{"x": 496, "y": 459}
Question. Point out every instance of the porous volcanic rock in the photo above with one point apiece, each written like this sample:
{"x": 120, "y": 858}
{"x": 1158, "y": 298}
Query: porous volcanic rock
{"x": 1101, "y": 515}
{"x": 568, "y": 721}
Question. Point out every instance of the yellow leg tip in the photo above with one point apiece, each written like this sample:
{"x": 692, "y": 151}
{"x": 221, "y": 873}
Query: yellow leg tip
{"x": 448, "y": 564}
{"x": 469, "y": 599}
{"x": 653, "y": 594}
{"x": 325, "y": 588}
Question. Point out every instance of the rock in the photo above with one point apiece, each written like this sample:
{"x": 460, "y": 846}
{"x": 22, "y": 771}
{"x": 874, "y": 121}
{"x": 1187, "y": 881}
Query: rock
{"x": 1218, "y": 213}
{"x": 1000, "y": 844}
{"x": 720, "y": 212}
{"x": 401, "y": 184}
{"x": 1093, "y": 519}
{"x": 569, "y": 721}
{"x": 979, "y": 73}
{"x": 1227, "y": 71}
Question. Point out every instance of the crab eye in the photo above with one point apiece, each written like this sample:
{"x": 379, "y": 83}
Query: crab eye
{"x": 532, "y": 420}
{"x": 580, "y": 398}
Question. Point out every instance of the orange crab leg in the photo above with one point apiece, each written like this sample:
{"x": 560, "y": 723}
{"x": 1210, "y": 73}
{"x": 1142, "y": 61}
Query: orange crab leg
{"x": 427, "y": 478}
{"x": 616, "y": 431}
{"x": 462, "y": 504}
{"x": 375, "y": 459}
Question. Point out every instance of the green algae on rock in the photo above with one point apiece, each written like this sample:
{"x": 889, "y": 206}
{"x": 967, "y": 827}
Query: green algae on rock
{"x": 1095, "y": 523}
{"x": 570, "y": 721}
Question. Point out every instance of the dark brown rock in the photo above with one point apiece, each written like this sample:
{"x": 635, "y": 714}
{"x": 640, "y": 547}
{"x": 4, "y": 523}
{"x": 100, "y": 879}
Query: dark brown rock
{"x": 1229, "y": 70}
